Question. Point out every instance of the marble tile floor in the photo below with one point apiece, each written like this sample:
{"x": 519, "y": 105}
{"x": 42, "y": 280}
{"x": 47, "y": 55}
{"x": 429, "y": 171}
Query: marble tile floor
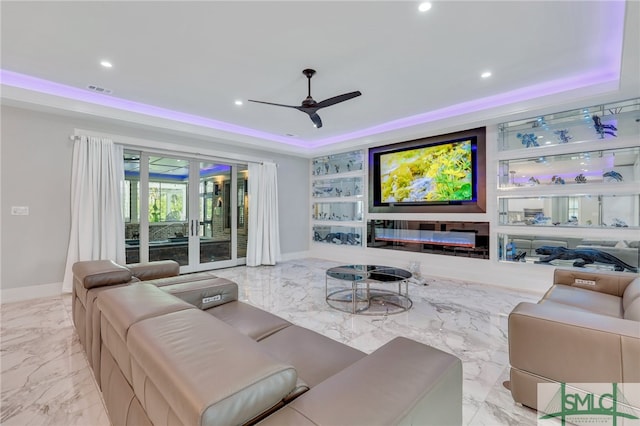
{"x": 45, "y": 378}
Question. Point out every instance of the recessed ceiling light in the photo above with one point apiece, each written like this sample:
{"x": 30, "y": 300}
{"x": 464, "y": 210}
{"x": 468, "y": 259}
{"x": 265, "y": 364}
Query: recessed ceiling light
{"x": 106, "y": 64}
{"x": 424, "y": 6}
{"x": 238, "y": 102}
{"x": 486, "y": 74}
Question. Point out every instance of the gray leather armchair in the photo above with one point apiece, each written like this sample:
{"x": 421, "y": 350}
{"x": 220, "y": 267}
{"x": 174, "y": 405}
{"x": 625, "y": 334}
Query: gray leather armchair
{"x": 586, "y": 329}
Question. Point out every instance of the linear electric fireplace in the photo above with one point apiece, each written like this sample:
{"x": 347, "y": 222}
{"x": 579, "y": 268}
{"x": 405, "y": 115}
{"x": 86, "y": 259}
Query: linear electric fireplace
{"x": 451, "y": 238}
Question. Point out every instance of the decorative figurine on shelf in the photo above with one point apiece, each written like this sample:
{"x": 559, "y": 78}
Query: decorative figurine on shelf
{"x": 619, "y": 223}
{"x": 563, "y": 135}
{"x": 603, "y": 129}
{"x": 510, "y": 250}
{"x": 612, "y": 176}
{"x": 582, "y": 257}
{"x": 557, "y": 180}
{"x": 528, "y": 139}
{"x": 326, "y": 168}
{"x": 337, "y": 168}
{"x": 539, "y": 219}
{"x": 534, "y": 181}
{"x": 581, "y": 178}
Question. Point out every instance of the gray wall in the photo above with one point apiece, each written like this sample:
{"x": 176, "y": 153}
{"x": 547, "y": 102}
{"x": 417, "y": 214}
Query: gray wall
{"x": 36, "y": 156}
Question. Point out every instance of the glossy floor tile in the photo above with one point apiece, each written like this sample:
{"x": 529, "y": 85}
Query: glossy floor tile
{"x": 46, "y": 379}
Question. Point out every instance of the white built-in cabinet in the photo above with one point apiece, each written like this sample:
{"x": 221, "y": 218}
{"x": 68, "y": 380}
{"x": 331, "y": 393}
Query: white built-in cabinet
{"x": 337, "y": 193}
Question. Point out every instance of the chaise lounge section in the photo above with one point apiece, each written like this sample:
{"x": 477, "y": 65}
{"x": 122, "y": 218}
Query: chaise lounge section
{"x": 183, "y": 350}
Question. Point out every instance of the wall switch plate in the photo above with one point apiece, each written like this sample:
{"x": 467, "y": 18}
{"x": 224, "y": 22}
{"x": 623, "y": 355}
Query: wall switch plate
{"x": 20, "y": 210}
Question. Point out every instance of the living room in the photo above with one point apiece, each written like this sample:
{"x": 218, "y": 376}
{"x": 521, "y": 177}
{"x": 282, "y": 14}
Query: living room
{"x": 37, "y": 153}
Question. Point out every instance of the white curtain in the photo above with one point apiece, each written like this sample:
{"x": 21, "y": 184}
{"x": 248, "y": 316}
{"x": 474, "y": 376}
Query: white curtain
{"x": 263, "y": 245}
{"x": 97, "y": 228}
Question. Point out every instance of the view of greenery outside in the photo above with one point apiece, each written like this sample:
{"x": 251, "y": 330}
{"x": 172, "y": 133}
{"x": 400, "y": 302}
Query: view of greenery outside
{"x": 167, "y": 202}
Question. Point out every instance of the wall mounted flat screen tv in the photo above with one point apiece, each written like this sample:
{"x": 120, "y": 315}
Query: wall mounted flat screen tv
{"x": 438, "y": 174}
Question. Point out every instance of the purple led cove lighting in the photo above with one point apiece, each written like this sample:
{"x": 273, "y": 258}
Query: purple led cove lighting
{"x": 23, "y": 81}
{"x": 502, "y": 99}
{"x": 610, "y": 51}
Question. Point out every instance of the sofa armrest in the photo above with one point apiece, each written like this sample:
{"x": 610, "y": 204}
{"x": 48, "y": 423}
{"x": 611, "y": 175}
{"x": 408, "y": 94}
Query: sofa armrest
{"x": 153, "y": 270}
{"x": 564, "y": 344}
{"x": 403, "y": 382}
{"x": 613, "y": 283}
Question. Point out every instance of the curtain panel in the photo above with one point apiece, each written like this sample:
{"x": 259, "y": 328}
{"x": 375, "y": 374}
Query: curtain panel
{"x": 97, "y": 227}
{"x": 263, "y": 245}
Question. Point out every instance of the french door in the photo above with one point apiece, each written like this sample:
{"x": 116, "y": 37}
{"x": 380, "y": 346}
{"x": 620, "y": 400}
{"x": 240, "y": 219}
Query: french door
{"x": 188, "y": 210}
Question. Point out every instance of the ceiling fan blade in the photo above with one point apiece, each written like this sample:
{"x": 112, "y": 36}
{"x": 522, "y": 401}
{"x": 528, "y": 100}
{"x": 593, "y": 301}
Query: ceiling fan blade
{"x": 316, "y": 120}
{"x": 271, "y": 103}
{"x": 338, "y": 99}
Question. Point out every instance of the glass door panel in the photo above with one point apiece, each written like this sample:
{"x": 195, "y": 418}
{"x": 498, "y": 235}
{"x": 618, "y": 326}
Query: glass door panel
{"x": 214, "y": 236}
{"x": 243, "y": 210}
{"x": 131, "y": 206}
{"x": 168, "y": 201}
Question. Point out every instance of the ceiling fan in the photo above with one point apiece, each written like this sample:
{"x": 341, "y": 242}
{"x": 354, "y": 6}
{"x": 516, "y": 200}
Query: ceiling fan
{"x": 310, "y": 106}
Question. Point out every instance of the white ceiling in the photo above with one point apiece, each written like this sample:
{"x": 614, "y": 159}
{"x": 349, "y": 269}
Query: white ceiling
{"x": 418, "y": 72}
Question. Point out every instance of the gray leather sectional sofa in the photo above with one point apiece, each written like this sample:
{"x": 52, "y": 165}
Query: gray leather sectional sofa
{"x": 182, "y": 350}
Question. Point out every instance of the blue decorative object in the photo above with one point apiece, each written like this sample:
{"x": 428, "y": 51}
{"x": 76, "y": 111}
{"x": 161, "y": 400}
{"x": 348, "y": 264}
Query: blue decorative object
{"x": 528, "y": 139}
{"x": 539, "y": 219}
{"x": 603, "y": 129}
{"x": 563, "y": 135}
{"x": 612, "y": 176}
{"x": 534, "y": 181}
{"x": 581, "y": 179}
{"x": 557, "y": 180}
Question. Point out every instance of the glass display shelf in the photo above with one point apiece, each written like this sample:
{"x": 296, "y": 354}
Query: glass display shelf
{"x": 338, "y": 235}
{"x": 612, "y": 167}
{"x": 601, "y": 122}
{"x": 337, "y": 163}
{"x": 338, "y": 211}
{"x": 615, "y": 254}
{"x": 337, "y": 187}
{"x": 617, "y": 211}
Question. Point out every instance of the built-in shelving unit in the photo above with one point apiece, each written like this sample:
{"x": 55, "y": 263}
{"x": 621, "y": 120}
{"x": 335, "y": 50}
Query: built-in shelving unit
{"x": 337, "y": 188}
{"x": 571, "y": 180}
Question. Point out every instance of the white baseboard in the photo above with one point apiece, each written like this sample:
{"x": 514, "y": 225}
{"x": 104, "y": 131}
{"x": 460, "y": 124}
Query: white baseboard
{"x": 8, "y": 295}
{"x": 294, "y": 255}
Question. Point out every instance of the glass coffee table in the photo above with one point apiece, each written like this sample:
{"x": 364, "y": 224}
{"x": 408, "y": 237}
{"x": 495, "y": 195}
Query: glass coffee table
{"x": 366, "y": 296}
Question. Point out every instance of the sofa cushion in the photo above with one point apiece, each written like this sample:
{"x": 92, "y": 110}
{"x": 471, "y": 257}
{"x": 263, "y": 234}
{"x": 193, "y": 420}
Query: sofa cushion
{"x": 205, "y": 370}
{"x": 314, "y": 356}
{"x": 592, "y": 301}
{"x": 98, "y": 273}
{"x": 631, "y": 293}
{"x": 184, "y": 278}
{"x": 124, "y": 306}
{"x": 633, "y": 310}
{"x": 249, "y": 320}
{"x": 206, "y": 293}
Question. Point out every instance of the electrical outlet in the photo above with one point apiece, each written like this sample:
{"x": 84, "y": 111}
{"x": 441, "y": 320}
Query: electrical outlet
{"x": 20, "y": 210}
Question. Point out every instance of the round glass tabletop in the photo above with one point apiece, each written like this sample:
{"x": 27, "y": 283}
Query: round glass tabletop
{"x": 373, "y": 272}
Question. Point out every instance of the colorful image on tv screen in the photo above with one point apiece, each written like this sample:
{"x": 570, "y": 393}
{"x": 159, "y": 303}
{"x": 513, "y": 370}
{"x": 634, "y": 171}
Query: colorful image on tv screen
{"x": 431, "y": 174}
